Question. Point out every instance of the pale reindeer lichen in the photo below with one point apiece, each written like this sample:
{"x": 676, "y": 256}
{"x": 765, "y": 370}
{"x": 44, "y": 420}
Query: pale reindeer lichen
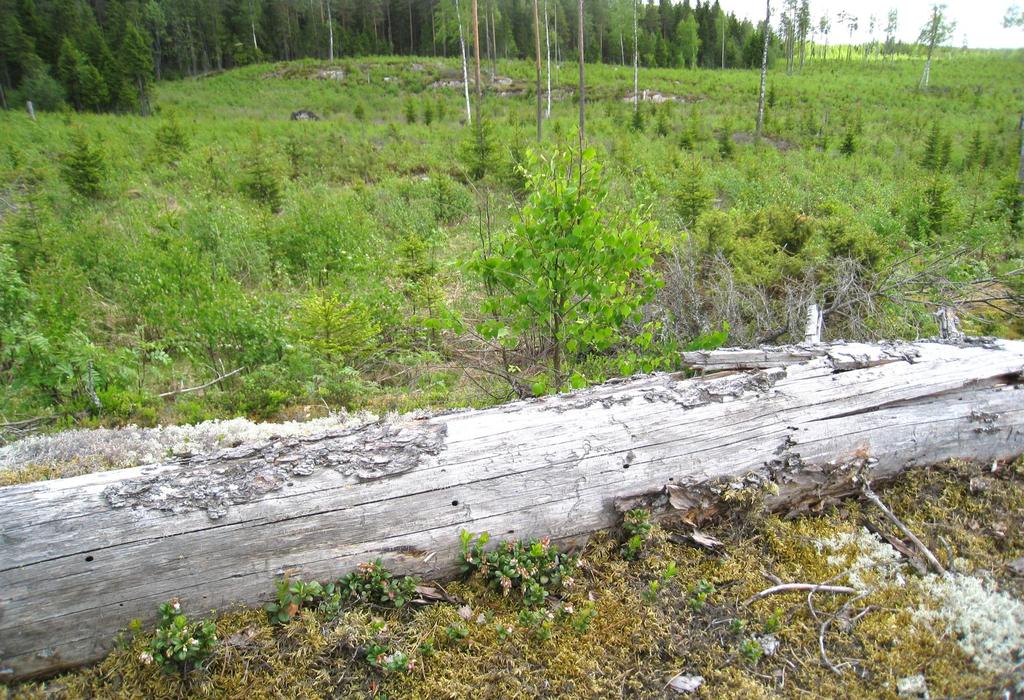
{"x": 75, "y": 452}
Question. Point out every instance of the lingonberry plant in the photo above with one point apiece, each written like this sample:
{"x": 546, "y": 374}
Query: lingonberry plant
{"x": 294, "y": 595}
{"x": 372, "y": 583}
{"x": 534, "y": 569}
{"x": 180, "y": 645}
{"x": 637, "y": 526}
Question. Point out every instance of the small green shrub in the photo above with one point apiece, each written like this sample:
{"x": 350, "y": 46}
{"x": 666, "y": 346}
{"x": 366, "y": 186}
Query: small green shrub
{"x": 637, "y": 527}
{"x": 171, "y": 141}
{"x": 849, "y": 145}
{"x": 636, "y": 122}
{"x": 456, "y": 633}
{"x": 260, "y": 182}
{"x": 479, "y": 151}
{"x": 83, "y": 167}
{"x": 533, "y": 569}
{"x": 292, "y": 596}
{"x": 751, "y": 650}
{"x": 373, "y": 584}
{"x": 383, "y": 658}
{"x": 180, "y": 645}
{"x": 650, "y": 595}
{"x": 540, "y": 623}
{"x": 699, "y": 595}
{"x": 726, "y": 147}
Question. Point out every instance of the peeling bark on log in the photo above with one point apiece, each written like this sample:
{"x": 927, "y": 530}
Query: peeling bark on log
{"x": 81, "y": 557}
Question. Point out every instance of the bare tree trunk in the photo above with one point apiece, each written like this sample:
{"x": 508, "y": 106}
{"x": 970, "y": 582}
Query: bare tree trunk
{"x": 444, "y": 28}
{"x": 252, "y": 26}
{"x": 476, "y": 56}
{"x": 391, "y": 38}
{"x": 927, "y": 67}
{"x": 488, "y": 47}
{"x": 494, "y": 46}
{"x": 330, "y": 33}
{"x": 558, "y": 55}
{"x": 81, "y": 557}
{"x": 764, "y": 68}
{"x": 547, "y": 43}
{"x": 725, "y": 21}
{"x": 636, "y": 62}
{"x": 465, "y": 65}
{"x": 540, "y": 94}
{"x": 583, "y": 87}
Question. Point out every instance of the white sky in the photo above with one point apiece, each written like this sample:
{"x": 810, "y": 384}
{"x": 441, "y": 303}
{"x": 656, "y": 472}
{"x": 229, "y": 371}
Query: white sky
{"x": 980, "y": 20}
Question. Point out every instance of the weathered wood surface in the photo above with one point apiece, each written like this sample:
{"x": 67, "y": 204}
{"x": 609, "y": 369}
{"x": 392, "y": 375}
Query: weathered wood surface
{"x": 81, "y": 557}
{"x": 841, "y": 355}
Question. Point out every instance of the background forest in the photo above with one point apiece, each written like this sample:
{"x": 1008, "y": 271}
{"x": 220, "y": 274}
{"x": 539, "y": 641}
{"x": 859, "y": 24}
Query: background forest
{"x": 158, "y": 234}
{"x": 110, "y": 45}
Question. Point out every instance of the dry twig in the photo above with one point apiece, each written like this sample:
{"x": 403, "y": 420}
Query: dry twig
{"x": 925, "y": 552}
{"x": 208, "y": 384}
{"x": 790, "y": 587}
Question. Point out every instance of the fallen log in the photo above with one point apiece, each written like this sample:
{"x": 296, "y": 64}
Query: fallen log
{"x": 83, "y": 556}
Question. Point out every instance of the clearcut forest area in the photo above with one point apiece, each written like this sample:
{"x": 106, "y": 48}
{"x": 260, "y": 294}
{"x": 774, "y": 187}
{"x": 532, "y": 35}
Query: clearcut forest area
{"x": 289, "y": 224}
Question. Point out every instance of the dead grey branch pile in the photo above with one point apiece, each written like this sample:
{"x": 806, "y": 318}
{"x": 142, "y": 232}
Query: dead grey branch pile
{"x": 81, "y": 557}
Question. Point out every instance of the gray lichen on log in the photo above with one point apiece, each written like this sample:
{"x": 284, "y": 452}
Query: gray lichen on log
{"x": 244, "y": 474}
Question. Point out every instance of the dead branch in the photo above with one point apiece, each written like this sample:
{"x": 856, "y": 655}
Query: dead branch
{"x": 791, "y": 587}
{"x": 873, "y": 497}
{"x": 208, "y": 384}
{"x": 823, "y": 631}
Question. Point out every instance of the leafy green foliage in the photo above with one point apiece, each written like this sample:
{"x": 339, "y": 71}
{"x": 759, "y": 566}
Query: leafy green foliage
{"x": 636, "y": 525}
{"x": 699, "y": 595}
{"x": 293, "y": 595}
{"x": 751, "y": 650}
{"x": 726, "y": 147}
{"x": 534, "y": 570}
{"x": 655, "y": 586}
{"x": 573, "y": 269}
{"x": 180, "y": 645}
{"x": 385, "y": 659}
{"x": 712, "y": 340}
{"x": 373, "y": 584}
{"x": 180, "y": 277}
